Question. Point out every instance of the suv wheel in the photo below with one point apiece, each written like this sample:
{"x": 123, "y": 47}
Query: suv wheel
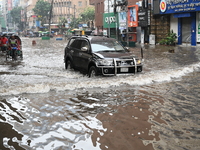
{"x": 68, "y": 65}
{"x": 92, "y": 72}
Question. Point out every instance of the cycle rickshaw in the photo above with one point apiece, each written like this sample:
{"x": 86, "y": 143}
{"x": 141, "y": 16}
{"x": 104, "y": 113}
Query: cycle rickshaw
{"x": 14, "y": 52}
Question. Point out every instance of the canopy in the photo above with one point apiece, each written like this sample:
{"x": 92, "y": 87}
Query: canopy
{"x": 73, "y": 30}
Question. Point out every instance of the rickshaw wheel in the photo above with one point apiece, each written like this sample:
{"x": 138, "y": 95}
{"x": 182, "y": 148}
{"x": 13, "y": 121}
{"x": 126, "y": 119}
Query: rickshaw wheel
{"x": 14, "y": 55}
{"x": 7, "y": 54}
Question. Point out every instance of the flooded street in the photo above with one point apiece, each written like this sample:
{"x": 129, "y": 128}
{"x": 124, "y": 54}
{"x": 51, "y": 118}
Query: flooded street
{"x": 45, "y": 107}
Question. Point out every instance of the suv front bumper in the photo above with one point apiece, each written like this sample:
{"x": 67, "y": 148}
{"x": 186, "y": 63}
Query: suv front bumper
{"x": 120, "y": 66}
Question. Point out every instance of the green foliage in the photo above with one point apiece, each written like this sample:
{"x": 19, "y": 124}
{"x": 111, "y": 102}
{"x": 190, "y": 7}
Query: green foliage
{"x": 42, "y": 10}
{"x": 88, "y": 14}
{"x": 170, "y": 39}
{"x": 61, "y": 24}
{"x": 16, "y": 14}
{"x": 74, "y": 22}
{"x": 16, "y": 17}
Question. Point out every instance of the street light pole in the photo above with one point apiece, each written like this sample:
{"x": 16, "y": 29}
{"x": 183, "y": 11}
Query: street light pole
{"x": 108, "y": 19}
{"x": 50, "y": 17}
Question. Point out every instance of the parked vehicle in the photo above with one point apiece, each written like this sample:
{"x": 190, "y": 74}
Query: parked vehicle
{"x": 98, "y": 55}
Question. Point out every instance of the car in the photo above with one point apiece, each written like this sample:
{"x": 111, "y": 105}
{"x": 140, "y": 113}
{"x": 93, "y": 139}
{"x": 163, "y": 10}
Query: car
{"x": 100, "y": 55}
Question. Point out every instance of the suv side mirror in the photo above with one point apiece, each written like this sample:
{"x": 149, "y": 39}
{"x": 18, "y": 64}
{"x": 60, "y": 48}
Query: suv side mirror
{"x": 84, "y": 49}
{"x": 127, "y": 49}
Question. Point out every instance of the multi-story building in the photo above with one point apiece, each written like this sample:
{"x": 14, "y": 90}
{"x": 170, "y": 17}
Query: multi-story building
{"x": 68, "y": 8}
{"x": 60, "y": 9}
{"x": 29, "y": 13}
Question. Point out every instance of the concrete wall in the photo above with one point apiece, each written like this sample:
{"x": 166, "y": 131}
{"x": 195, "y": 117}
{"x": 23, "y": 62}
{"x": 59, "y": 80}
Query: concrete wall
{"x": 174, "y": 24}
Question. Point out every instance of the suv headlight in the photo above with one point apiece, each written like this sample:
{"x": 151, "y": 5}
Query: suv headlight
{"x": 104, "y": 62}
{"x": 138, "y": 61}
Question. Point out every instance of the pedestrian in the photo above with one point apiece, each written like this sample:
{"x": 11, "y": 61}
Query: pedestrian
{"x": 0, "y": 42}
{"x": 4, "y": 43}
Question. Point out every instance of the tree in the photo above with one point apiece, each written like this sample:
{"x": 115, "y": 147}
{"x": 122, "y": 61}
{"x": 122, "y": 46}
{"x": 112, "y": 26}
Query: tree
{"x": 88, "y": 15}
{"x": 16, "y": 16}
{"x": 42, "y": 10}
{"x": 74, "y": 22}
{"x": 61, "y": 24}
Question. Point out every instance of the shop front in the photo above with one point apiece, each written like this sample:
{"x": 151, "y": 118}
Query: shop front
{"x": 186, "y": 19}
{"x": 110, "y": 25}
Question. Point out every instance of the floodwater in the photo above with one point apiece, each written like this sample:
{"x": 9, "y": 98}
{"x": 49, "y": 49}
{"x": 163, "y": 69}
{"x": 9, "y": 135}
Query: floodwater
{"x": 45, "y": 107}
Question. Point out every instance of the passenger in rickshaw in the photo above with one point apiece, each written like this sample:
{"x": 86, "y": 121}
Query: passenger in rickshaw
{"x": 13, "y": 44}
{"x": 4, "y": 43}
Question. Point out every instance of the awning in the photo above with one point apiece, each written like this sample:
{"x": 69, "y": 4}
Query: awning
{"x": 73, "y": 30}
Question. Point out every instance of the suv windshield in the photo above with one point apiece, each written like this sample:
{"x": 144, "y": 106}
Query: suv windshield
{"x": 109, "y": 45}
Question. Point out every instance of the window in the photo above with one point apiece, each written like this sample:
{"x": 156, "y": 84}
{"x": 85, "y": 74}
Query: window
{"x": 85, "y": 44}
{"x": 80, "y": 3}
{"x": 69, "y": 4}
{"x": 76, "y": 44}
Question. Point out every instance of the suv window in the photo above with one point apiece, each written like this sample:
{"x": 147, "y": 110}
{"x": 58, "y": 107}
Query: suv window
{"x": 84, "y": 44}
{"x": 106, "y": 45}
{"x": 70, "y": 42}
{"x": 78, "y": 44}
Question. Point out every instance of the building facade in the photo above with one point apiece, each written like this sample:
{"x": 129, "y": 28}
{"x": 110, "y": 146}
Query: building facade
{"x": 105, "y": 6}
{"x": 184, "y": 18}
{"x": 60, "y": 9}
{"x": 68, "y": 8}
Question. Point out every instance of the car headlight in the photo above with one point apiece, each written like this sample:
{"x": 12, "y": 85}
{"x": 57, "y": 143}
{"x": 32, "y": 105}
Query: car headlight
{"x": 138, "y": 61}
{"x": 103, "y": 62}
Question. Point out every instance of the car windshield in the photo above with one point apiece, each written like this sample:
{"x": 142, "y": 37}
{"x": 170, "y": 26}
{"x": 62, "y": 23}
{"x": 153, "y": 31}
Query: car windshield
{"x": 108, "y": 46}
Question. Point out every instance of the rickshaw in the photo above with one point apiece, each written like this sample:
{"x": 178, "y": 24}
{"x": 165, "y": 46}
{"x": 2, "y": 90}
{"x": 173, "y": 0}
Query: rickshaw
{"x": 14, "y": 52}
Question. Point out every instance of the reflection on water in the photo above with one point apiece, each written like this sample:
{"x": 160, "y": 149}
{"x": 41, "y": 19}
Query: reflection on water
{"x": 158, "y": 116}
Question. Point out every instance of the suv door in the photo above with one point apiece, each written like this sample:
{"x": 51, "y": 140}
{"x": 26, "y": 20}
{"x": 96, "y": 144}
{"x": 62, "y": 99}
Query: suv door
{"x": 74, "y": 51}
{"x": 85, "y": 56}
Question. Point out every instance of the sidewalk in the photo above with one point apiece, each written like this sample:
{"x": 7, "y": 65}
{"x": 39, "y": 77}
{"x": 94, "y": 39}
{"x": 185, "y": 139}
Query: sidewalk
{"x": 162, "y": 48}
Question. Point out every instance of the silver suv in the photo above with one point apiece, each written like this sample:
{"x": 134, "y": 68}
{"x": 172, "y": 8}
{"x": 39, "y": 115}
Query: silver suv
{"x": 98, "y": 55}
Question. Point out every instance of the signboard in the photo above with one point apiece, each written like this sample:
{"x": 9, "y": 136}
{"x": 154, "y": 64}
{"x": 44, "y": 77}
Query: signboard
{"x": 133, "y": 16}
{"x": 198, "y": 33}
{"x": 178, "y": 6}
{"x": 9, "y": 4}
{"x": 143, "y": 17}
{"x": 110, "y": 20}
{"x": 122, "y": 20}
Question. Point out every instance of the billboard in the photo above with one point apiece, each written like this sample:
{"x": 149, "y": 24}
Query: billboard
{"x": 133, "y": 16}
{"x": 110, "y": 20}
{"x": 122, "y": 19}
{"x": 9, "y": 2}
{"x": 178, "y": 6}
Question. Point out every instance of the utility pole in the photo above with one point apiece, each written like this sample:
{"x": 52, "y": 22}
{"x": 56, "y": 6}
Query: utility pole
{"x": 115, "y": 12}
{"x": 74, "y": 14}
{"x": 108, "y": 19}
{"x": 74, "y": 11}
{"x": 50, "y": 13}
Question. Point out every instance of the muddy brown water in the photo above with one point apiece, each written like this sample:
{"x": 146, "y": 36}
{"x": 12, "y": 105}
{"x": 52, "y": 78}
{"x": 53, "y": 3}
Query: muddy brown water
{"x": 45, "y": 107}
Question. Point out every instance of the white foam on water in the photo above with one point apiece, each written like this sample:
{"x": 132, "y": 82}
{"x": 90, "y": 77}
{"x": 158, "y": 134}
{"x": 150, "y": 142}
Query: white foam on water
{"x": 50, "y": 79}
{"x": 42, "y": 70}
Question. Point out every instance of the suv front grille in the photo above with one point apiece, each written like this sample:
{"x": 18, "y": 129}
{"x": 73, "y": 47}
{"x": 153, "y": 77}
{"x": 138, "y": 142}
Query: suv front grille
{"x": 123, "y": 63}
{"x": 120, "y": 66}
